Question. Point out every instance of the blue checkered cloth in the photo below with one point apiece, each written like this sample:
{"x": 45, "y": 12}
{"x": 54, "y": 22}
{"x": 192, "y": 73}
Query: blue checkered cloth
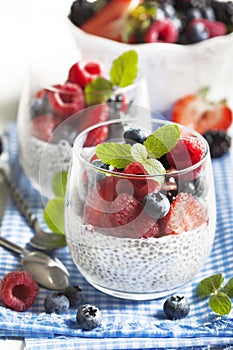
{"x": 126, "y": 324}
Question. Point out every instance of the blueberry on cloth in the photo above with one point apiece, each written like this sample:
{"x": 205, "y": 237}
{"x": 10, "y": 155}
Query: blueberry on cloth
{"x": 176, "y": 307}
{"x": 56, "y": 302}
{"x": 88, "y": 317}
{"x": 74, "y": 295}
{"x": 156, "y": 205}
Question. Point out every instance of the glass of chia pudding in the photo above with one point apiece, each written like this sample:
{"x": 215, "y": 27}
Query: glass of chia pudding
{"x": 48, "y": 121}
{"x": 140, "y": 207}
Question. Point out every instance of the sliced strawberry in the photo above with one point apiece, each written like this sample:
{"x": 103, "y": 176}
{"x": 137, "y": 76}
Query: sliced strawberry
{"x": 96, "y": 136}
{"x": 109, "y": 21}
{"x": 196, "y": 113}
{"x": 186, "y": 214}
{"x": 67, "y": 99}
{"x": 43, "y": 126}
{"x": 84, "y": 72}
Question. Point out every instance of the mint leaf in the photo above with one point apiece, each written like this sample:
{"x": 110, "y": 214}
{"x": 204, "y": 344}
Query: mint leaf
{"x": 162, "y": 140}
{"x": 220, "y": 303}
{"x": 124, "y": 69}
{"x": 59, "y": 183}
{"x": 154, "y": 167}
{"x": 54, "y": 214}
{"x": 139, "y": 152}
{"x": 98, "y": 91}
{"x": 209, "y": 285}
{"x": 115, "y": 154}
{"x": 228, "y": 288}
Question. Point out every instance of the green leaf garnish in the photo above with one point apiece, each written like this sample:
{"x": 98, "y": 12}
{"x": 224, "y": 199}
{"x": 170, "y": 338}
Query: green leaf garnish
{"x": 139, "y": 152}
{"x": 209, "y": 285}
{"x": 220, "y": 303}
{"x": 228, "y": 288}
{"x": 124, "y": 69}
{"x": 98, "y": 91}
{"x": 162, "y": 140}
{"x": 59, "y": 183}
{"x": 54, "y": 214}
{"x": 115, "y": 154}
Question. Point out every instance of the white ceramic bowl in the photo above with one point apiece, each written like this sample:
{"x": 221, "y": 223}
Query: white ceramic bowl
{"x": 173, "y": 70}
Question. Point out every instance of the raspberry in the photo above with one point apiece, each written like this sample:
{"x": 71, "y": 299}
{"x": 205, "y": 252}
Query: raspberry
{"x": 84, "y": 72}
{"x": 43, "y": 126}
{"x": 139, "y": 183}
{"x": 93, "y": 115}
{"x": 161, "y": 31}
{"x": 96, "y": 136}
{"x": 67, "y": 99}
{"x": 124, "y": 209}
{"x": 146, "y": 227}
{"x": 18, "y": 290}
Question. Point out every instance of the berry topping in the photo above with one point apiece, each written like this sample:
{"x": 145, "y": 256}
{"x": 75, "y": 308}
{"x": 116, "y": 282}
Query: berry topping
{"x": 195, "y": 112}
{"x": 43, "y": 126}
{"x": 186, "y": 214}
{"x": 176, "y": 307}
{"x": 56, "y": 302}
{"x": 74, "y": 295}
{"x": 133, "y": 135}
{"x": 156, "y": 205}
{"x": 197, "y": 31}
{"x": 219, "y": 142}
{"x": 84, "y": 72}
{"x": 187, "y": 152}
{"x": 88, "y": 317}
{"x": 18, "y": 290}
{"x": 161, "y": 31}
{"x": 66, "y": 99}
{"x": 124, "y": 209}
{"x": 96, "y": 136}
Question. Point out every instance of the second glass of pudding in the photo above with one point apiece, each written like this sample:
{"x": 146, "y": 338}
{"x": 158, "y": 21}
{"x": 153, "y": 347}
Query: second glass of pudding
{"x": 140, "y": 208}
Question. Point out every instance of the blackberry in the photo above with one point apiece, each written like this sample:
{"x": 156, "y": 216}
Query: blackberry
{"x": 223, "y": 11}
{"x": 219, "y": 142}
{"x": 82, "y": 10}
{"x": 183, "y": 5}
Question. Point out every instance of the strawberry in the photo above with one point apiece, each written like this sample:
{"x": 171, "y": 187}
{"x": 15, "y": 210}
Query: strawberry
{"x": 84, "y": 72}
{"x": 66, "y": 99}
{"x": 43, "y": 126}
{"x": 109, "y": 21}
{"x": 96, "y": 136}
{"x": 195, "y": 112}
{"x": 186, "y": 214}
{"x": 187, "y": 152}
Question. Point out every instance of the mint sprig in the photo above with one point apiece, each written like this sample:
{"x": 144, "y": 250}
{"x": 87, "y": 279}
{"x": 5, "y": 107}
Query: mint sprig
{"x": 123, "y": 72}
{"x": 116, "y": 154}
{"x": 219, "y": 295}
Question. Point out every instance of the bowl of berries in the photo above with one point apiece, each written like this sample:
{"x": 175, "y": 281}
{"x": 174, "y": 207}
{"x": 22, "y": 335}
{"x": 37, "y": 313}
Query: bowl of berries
{"x": 46, "y": 129}
{"x": 140, "y": 207}
{"x": 183, "y": 45}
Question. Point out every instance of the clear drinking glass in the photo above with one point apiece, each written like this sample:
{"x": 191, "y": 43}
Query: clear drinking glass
{"x": 45, "y": 128}
{"x": 130, "y": 254}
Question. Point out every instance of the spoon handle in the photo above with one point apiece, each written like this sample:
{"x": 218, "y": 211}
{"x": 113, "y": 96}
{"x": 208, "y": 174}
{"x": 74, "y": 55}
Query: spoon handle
{"x": 20, "y": 201}
{"x": 11, "y": 246}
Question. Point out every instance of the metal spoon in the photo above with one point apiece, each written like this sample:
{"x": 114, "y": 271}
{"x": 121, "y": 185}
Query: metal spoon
{"x": 47, "y": 271}
{"x": 41, "y": 240}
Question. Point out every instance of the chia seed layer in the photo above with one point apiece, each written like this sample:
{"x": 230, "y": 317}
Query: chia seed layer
{"x": 138, "y": 265}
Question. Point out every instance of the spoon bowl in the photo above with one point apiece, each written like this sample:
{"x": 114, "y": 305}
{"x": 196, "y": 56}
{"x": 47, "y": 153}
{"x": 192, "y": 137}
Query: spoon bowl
{"x": 47, "y": 271}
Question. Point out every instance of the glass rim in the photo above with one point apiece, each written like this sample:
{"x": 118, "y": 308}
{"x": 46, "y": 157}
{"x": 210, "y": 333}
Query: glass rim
{"x": 129, "y": 121}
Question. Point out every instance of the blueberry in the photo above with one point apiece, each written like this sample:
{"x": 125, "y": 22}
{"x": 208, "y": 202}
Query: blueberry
{"x": 156, "y": 205}
{"x": 176, "y": 307}
{"x": 208, "y": 13}
{"x": 193, "y": 13}
{"x": 56, "y": 302}
{"x": 88, "y": 317}
{"x": 134, "y": 135}
{"x": 219, "y": 142}
{"x": 169, "y": 10}
{"x": 197, "y": 32}
{"x": 74, "y": 295}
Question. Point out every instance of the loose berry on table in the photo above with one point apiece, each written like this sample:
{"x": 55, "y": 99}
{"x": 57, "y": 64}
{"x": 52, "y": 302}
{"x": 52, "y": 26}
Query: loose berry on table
{"x": 176, "y": 307}
{"x": 56, "y": 302}
{"x": 88, "y": 317}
